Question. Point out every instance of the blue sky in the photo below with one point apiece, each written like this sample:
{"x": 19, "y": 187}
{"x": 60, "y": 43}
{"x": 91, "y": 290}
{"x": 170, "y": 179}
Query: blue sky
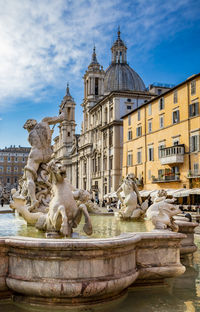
{"x": 47, "y": 43}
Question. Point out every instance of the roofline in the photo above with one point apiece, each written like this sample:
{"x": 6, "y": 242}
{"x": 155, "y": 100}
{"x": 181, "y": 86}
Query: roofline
{"x": 163, "y": 94}
{"x": 125, "y": 92}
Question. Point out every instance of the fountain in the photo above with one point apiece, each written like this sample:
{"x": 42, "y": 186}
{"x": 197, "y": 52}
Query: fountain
{"x": 60, "y": 270}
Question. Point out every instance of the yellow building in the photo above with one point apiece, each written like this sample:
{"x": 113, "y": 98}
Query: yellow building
{"x": 161, "y": 139}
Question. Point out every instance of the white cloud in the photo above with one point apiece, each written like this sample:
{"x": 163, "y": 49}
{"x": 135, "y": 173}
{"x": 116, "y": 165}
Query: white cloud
{"x": 41, "y": 38}
{"x": 44, "y": 43}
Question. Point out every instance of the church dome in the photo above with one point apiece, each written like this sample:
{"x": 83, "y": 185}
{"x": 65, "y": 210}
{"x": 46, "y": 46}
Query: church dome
{"x": 119, "y": 76}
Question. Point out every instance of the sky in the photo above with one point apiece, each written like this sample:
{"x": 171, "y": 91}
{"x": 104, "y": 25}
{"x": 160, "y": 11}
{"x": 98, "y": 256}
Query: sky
{"x": 46, "y": 44}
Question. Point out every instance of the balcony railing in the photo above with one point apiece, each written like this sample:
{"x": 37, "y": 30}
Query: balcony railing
{"x": 193, "y": 174}
{"x": 166, "y": 178}
{"x": 172, "y": 154}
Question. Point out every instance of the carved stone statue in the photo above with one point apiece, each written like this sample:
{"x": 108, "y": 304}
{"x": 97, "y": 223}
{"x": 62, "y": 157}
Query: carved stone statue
{"x": 130, "y": 207}
{"x": 161, "y": 212}
{"x": 45, "y": 197}
{"x": 41, "y": 151}
{"x": 84, "y": 197}
{"x": 64, "y": 214}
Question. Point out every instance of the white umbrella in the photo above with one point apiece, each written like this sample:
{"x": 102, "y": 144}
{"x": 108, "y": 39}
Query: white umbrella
{"x": 195, "y": 191}
{"x": 181, "y": 193}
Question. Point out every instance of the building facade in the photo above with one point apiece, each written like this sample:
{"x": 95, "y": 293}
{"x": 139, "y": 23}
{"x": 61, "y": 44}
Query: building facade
{"x": 95, "y": 160}
{"x": 12, "y": 162}
{"x": 162, "y": 139}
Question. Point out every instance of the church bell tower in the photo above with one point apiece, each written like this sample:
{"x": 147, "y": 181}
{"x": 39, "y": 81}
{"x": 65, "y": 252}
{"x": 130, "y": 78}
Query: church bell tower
{"x": 67, "y": 127}
{"x": 93, "y": 86}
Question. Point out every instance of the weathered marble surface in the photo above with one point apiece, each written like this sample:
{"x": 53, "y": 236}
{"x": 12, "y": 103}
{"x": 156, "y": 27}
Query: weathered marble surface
{"x": 89, "y": 271}
{"x": 4, "y": 292}
{"x": 158, "y": 256}
{"x": 162, "y": 211}
{"x": 130, "y": 208}
{"x": 83, "y": 270}
{"x": 187, "y": 244}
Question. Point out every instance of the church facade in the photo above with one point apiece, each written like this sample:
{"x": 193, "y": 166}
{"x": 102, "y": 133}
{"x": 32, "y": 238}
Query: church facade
{"x": 94, "y": 158}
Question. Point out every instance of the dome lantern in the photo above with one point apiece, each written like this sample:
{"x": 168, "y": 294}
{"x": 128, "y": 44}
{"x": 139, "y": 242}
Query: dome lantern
{"x": 119, "y": 76}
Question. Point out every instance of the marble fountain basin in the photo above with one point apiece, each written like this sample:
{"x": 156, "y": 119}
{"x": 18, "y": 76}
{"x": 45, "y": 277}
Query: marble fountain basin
{"x": 87, "y": 271}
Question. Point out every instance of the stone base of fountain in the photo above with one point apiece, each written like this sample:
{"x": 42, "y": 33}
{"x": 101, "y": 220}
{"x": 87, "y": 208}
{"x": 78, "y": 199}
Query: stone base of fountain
{"x": 86, "y": 271}
{"x": 187, "y": 244}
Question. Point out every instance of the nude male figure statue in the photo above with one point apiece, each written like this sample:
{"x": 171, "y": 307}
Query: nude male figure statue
{"x": 41, "y": 150}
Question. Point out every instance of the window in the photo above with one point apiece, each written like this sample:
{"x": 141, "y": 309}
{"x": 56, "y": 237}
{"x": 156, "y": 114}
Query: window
{"x": 99, "y": 163}
{"x": 194, "y": 143}
{"x": 194, "y": 109}
{"x": 175, "y": 97}
{"x": 8, "y": 169}
{"x": 150, "y": 152}
{"x": 110, "y": 138}
{"x": 175, "y": 116}
{"x": 96, "y": 86}
{"x": 159, "y": 91}
{"x": 161, "y": 122}
{"x": 16, "y": 159}
{"x": 111, "y": 113}
{"x": 129, "y": 106}
{"x": 130, "y": 159}
{"x": 105, "y": 163}
{"x": 15, "y": 169}
{"x": 161, "y": 173}
{"x": 138, "y": 115}
{"x": 149, "y": 126}
{"x": 8, "y": 180}
{"x": 1, "y": 158}
{"x": 196, "y": 168}
{"x": 129, "y": 135}
{"x": 105, "y": 139}
{"x": 161, "y": 152}
{"x": 23, "y": 159}
{"x": 139, "y": 157}
{"x": 161, "y": 103}
{"x": 176, "y": 141}
{"x": 138, "y": 131}
{"x": 110, "y": 163}
{"x": 149, "y": 109}
{"x": 84, "y": 168}
{"x": 1, "y": 169}
{"x": 193, "y": 87}
{"x": 129, "y": 100}
{"x": 8, "y": 159}
{"x": 129, "y": 120}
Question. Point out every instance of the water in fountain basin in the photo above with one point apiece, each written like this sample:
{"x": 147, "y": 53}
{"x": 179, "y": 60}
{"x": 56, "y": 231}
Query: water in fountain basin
{"x": 103, "y": 226}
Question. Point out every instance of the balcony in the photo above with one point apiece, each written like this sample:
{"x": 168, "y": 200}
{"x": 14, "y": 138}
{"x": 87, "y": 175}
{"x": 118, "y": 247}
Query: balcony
{"x": 193, "y": 174}
{"x": 166, "y": 178}
{"x": 172, "y": 155}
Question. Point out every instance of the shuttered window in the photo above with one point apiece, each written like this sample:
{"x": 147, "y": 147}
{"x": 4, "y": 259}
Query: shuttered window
{"x": 194, "y": 143}
{"x": 194, "y": 109}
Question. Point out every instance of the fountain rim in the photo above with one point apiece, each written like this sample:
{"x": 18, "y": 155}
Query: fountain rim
{"x": 89, "y": 243}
